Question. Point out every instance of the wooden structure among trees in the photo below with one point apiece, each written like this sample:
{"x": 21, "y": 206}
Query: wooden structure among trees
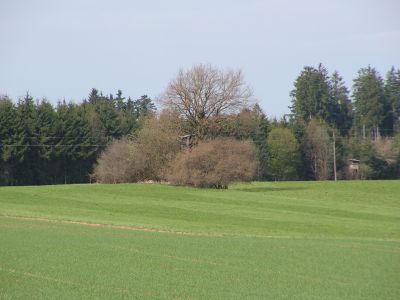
{"x": 187, "y": 142}
{"x": 354, "y": 165}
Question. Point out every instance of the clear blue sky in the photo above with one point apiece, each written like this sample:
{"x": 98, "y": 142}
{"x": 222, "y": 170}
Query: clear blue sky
{"x": 61, "y": 49}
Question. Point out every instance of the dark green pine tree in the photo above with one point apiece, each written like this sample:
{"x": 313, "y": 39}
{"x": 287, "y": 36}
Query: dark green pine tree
{"x": 86, "y": 150}
{"x": 126, "y": 116}
{"x": 143, "y": 106}
{"x": 311, "y": 97}
{"x": 259, "y": 138}
{"x": 129, "y": 106}
{"x": 392, "y": 92}
{"x": 106, "y": 111}
{"x": 61, "y": 148}
{"x": 343, "y": 112}
{"x": 26, "y": 142}
{"x": 76, "y": 149}
{"x": 94, "y": 96}
{"x": 7, "y": 133}
{"x": 371, "y": 106}
{"x": 47, "y": 124}
{"x": 120, "y": 101}
{"x": 108, "y": 116}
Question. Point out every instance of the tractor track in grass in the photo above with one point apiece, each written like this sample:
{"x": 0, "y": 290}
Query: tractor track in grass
{"x": 80, "y": 285}
{"x": 100, "y": 225}
{"x": 183, "y": 233}
{"x": 135, "y": 228}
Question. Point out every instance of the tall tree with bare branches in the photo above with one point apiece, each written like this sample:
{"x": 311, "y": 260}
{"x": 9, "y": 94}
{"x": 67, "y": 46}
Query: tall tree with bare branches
{"x": 317, "y": 148}
{"x": 203, "y": 93}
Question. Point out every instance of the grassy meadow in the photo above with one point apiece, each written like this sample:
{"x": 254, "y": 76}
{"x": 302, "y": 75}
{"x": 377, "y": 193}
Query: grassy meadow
{"x": 297, "y": 240}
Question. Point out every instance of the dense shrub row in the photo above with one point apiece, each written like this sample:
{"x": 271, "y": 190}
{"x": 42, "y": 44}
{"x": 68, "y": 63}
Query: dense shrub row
{"x": 156, "y": 155}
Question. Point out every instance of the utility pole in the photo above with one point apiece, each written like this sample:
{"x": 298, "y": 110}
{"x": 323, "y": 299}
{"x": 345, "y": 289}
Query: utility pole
{"x": 334, "y": 155}
{"x": 363, "y": 131}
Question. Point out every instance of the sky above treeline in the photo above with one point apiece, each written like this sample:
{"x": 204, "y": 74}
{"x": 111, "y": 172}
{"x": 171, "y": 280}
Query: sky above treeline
{"x": 61, "y": 49}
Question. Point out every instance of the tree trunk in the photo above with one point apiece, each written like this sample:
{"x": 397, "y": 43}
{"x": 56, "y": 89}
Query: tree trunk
{"x": 364, "y": 131}
{"x": 334, "y": 155}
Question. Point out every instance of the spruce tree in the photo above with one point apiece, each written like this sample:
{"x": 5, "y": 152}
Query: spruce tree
{"x": 26, "y": 141}
{"x": 392, "y": 92}
{"x": 370, "y": 102}
{"x": 47, "y": 124}
{"x": 311, "y": 95}
{"x": 343, "y": 113}
{"x": 143, "y": 106}
{"x": 76, "y": 149}
{"x": 7, "y": 132}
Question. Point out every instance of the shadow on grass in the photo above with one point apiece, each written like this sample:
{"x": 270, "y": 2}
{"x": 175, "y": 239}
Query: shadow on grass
{"x": 270, "y": 189}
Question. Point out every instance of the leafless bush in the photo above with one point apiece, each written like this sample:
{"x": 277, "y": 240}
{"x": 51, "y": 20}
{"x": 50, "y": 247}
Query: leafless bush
{"x": 214, "y": 164}
{"x": 386, "y": 148}
{"x": 115, "y": 163}
{"x": 146, "y": 157}
{"x": 155, "y": 146}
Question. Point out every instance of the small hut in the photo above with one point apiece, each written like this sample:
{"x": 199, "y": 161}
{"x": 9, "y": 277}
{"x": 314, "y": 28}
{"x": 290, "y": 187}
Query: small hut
{"x": 187, "y": 142}
{"x": 354, "y": 165}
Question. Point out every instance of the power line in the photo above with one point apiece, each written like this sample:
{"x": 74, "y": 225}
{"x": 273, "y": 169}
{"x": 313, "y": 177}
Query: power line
{"x": 51, "y": 145}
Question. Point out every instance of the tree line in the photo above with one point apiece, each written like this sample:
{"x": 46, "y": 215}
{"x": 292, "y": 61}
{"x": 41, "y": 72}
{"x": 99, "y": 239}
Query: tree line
{"x": 43, "y": 144}
{"x": 364, "y": 125}
{"x": 111, "y": 138}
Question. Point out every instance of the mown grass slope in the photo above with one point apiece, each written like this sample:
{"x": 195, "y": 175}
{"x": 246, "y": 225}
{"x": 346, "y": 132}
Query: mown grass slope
{"x": 299, "y": 240}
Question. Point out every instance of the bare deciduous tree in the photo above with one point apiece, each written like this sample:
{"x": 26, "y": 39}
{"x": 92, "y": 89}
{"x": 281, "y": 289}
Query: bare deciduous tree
{"x": 386, "y": 148}
{"x": 204, "y": 92}
{"x": 317, "y": 148}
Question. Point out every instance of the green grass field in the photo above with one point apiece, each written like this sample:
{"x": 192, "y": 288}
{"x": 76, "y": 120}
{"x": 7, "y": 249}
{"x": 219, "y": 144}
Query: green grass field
{"x": 299, "y": 240}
